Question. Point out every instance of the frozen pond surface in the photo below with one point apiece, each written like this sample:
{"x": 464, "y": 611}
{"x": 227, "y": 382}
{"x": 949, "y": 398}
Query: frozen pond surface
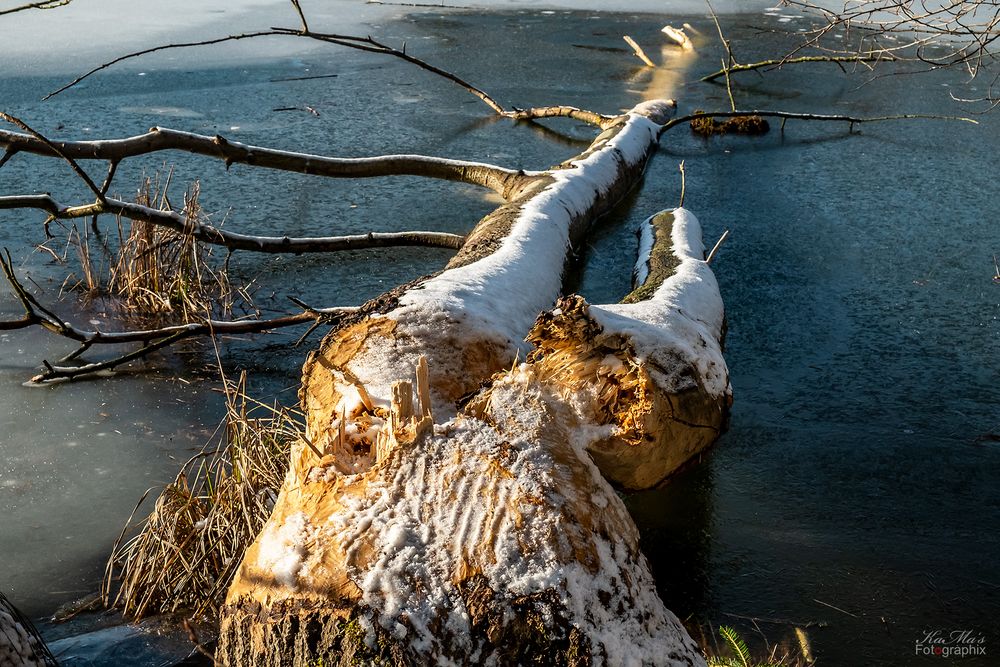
{"x": 862, "y": 315}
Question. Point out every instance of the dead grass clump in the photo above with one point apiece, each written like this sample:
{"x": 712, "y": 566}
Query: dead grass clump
{"x": 707, "y": 126}
{"x": 154, "y": 273}
{"x": 187, "y": 550}
{"x": 159, "y": 270}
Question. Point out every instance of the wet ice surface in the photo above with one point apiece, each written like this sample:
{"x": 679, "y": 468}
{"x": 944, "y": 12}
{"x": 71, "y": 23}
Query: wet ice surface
{"x": 857, "y": 282}
{"x": 72, "y": 455}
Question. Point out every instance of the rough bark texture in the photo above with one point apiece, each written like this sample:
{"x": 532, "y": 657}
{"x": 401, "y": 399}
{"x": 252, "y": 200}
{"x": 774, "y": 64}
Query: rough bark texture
{"x": 430, "y": 533}
{"x": 464, "y": 351}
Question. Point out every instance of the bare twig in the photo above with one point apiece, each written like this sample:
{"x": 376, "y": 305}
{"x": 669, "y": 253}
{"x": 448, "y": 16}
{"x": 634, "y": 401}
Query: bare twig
{"x": 600, "y": 120}
{"x": 192, "y": 635}
{"x": 367, "y": 44}
{"x": 302, "y": 17}
{"x": 680, "y": 204}
{"x": 232, "y": 240}
{"x": 153, "y": 339}
{"x": 779, "y": 63}
{"x": 44, "y": 4}
{"x": 57, "y": 151}
{"x": 639, "y": 53}
{"x": 827, "y": 604}
{"x": 777, "y": 621}
{"x": 730, "y": 59}
{"x": 715, "y": 248}
{"x": 155, "y": 49}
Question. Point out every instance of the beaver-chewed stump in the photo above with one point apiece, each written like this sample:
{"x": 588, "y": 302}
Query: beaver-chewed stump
{"x": 646, "y": 375}
{"x": 444, "y": 510}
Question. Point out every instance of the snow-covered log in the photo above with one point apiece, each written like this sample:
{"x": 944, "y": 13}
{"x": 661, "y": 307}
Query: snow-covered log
{"x": 471, "y": 319}
{"x": 435, "y": 516}
{"x": 646, "y": 376}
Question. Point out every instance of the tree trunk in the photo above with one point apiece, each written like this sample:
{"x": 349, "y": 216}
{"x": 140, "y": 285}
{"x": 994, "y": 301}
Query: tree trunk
{"x": 460, "y": 525}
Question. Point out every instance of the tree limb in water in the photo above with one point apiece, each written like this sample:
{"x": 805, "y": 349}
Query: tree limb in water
{"x": 957, "y": 33}
{"x": 600, "y": 120}
{"x": 44, "y": 4}
{"x": 153, "y": 339}
{"x": 231, "y": 240}
{"x": 367, "y": 44}
{"x": 778, "y": 63}
{"x": 233, "y": 152}
{"x": 787, "y": 115}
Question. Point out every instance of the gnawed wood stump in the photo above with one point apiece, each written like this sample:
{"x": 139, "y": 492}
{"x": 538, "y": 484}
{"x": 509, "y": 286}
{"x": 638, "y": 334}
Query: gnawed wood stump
{"x": 413, "y": 530}
{"x": 647, "y": 375}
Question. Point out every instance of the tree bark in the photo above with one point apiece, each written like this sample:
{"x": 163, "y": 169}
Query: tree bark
{"x": 453, "y": 524}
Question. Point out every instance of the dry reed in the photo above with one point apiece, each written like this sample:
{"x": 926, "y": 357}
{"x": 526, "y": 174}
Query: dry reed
{"x": 160, "y": 271}
{"x": 187, "y": 550}
{"x": 154, "y": 273}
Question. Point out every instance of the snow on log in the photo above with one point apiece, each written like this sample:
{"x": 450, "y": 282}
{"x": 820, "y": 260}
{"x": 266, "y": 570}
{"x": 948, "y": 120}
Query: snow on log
{"x": 490, "y": 540}
{"x": 646, "y": 376}
{"x": 426, "y": 520}
{"x": 470, "y": 320}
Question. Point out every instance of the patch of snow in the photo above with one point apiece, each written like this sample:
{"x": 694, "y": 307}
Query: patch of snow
{"x": 17, "y": 647}
{"x": 646, "y": 236}
{"x": 502, "y": 500}
{"x": 282, "y": 549}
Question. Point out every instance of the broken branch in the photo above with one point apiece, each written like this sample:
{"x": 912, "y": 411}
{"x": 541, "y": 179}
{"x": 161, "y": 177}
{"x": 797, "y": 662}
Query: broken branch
{"x": 367, "y": 44}
{"x": 44, "y": 4}
{"x": 639, "y": 53}
{"x": 154, "y": 339}
{"x": 489, "y": 176}
{"x": 600, "y": 120}
{"x": 232, "y": 240}
{"x": 780, "y": 62}
{"x": 808, "y": 116}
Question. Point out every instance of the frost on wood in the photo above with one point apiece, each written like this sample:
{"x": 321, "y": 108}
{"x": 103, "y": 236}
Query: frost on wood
{"x": 489, "y": 541}
{"x": 442, "y": 511}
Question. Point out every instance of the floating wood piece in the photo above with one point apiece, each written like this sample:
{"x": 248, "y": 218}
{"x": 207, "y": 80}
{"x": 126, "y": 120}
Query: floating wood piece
{"x": 638, "y": 50}
{"x": 678, "y": 35}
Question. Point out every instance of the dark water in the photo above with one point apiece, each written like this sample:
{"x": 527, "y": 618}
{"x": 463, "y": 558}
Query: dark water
{"x": 857, "y": 280}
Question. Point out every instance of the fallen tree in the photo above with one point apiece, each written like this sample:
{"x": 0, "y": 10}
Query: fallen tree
{"x": 406, "y": 535}
{"x": 329, "y": 579}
